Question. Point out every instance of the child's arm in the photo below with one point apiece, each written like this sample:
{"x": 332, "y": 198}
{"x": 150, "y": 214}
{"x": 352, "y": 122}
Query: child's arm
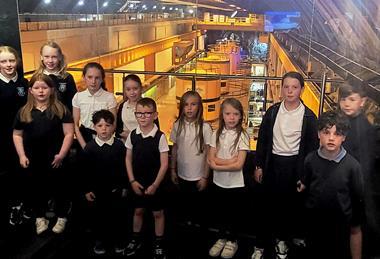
{"x": 234, "y": 166}
{"x": 68, "y": 131}
{"x": 136, "y": 186}
{"x": 202, "y": 183}
{"x": 19, "y": 145}
{"x": 173, "y": 166}
{"x": 222, "y": 162}
{"x": 164, "y": 159}
{"x": 76, "y": 117}
{"x": 356, "y": 242}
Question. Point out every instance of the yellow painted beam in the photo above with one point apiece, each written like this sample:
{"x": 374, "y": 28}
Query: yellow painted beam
{"x": 309, "y": 97}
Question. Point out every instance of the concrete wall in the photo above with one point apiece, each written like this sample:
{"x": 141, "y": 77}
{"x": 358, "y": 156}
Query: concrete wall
{"x": 82, "y": 43}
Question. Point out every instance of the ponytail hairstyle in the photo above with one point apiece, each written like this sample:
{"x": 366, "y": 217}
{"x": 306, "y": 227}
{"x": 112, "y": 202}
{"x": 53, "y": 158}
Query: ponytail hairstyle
{"x": 239, "y": 127}
{"x": 55, "y": 107}
{"x": 62, "y": 65}
{"x": 98, "y": 67}
{"x": 198, "y": 121}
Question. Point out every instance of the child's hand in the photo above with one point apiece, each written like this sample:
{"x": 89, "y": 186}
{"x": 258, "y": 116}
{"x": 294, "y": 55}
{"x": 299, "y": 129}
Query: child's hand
{"x": 300, "y": 186}
{"x": 24, "y": 162}
{"x": 90, "y": 196}
{"x": 57, "y": 162}
{"x": 151, "y": 189}
{"x": 202, "y": 184}
{"x": 137, "y": 188}
{"x": 258, "y": 175}
{"x": 174, "y": 177}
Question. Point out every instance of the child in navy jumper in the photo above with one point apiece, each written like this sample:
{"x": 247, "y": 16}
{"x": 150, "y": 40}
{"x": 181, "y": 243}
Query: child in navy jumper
{"x": 104, "y": 180}
{"x": 360, "y": 143}
{"x": 333, "y": 184}
{"x": 147, "y": 162}
{"x": 13, "y": 94}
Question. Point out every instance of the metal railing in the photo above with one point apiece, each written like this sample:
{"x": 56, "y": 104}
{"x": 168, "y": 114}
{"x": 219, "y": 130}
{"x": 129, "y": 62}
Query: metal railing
{"x": 35, "y": 22}
{"x": 194, "y": 76}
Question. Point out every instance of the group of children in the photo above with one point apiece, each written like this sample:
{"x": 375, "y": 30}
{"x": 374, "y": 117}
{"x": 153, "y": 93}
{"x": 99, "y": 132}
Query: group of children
{"x": 289, "y": 159}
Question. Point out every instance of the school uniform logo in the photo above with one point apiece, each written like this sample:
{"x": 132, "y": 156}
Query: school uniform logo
{"x": 62, "y": 87}
{"x": 20, "y": 91}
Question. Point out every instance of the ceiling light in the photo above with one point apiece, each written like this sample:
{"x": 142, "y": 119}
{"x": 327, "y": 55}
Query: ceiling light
{"x": 105, "y": 4}
{"x": 81, "y": 2}
{"x": 233, "y": 14}
{"x": 155, "y": 6}
{"x": 191, "y": 11}
{"x": 163, "y": 8}
{"x": 171, "y": 8}
{"x": 232, "y": 5}
{"x": 47, "y": 1}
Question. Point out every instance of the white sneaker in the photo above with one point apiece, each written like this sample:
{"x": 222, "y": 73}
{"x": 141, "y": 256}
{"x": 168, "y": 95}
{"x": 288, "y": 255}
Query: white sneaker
{"x": 281, "y": 250}
{"x": 42, "y": 225}
{"x": 59, "y": 227}
{"x": 217, "y": 248}
{"x": 229, "y": 250}
{"x": 258, "y": 253}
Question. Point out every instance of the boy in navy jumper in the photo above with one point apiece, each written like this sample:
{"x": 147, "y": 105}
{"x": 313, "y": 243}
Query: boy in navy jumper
{"x": 104, "y": 180}
{"x": 360, "y": 143}
{"x": 147, "y": 163}
{"x": 333, "y": 183}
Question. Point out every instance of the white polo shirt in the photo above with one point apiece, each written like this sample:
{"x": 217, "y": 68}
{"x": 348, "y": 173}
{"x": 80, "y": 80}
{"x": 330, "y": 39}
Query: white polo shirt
{"x": 229, "y": 179}
{"x": 88, "y": 104}
{"x": 162, "y": 146}
{"x": 190, "y": 163}
{"x": 128, "y": 117}
{"x": 287, "y": 131}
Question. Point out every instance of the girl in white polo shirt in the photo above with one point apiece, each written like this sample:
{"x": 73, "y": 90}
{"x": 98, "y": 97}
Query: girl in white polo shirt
{"x": 191, "y": 139}
{"x": 126, "y": 119}
{"x": 94, "y": 98}
{"x": 229, "y": 146}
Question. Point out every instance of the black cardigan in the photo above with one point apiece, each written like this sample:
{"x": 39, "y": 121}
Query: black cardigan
{"x": 309, "y": 138}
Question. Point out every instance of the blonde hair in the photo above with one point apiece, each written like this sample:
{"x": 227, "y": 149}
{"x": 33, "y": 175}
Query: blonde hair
{"x": 62, "y": 66}
{"x": 8, "y": 49}
{"x": 55, "y": 107}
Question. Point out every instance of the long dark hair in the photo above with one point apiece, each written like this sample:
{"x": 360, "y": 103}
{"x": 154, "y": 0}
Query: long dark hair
{"x": 239, "y": 127}
{"x": 198, "y": 121}
{"x": 100, "y": 68}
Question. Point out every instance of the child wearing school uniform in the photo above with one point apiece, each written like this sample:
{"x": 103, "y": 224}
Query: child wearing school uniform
{"x": 93, "y": 99}
{"x": 229, "y": 146}
{"x": 360, "y": 143}
{"x": 189, "y": 168}
{"x": 104, "y": 178}
{"x": 333, "y": 184}
{"x": 53, "y": 64}
{"x": 147, "y": 163}
{"x": 126, "y": 119}
{"x": 43, "y": 133}
{"x": 288, "y": 132}
{"x": 13, "y": 94}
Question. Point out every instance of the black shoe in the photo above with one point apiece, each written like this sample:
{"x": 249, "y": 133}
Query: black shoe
{"x": 159, "y": 252}
{"x": 132, "y": 247}
{"x": 15, "y": 217}
{"x": 119, "y": 249}
{"x": 99, "y": 248}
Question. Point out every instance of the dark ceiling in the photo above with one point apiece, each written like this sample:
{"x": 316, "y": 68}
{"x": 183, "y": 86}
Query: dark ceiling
{"x": 91, "y": 6}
